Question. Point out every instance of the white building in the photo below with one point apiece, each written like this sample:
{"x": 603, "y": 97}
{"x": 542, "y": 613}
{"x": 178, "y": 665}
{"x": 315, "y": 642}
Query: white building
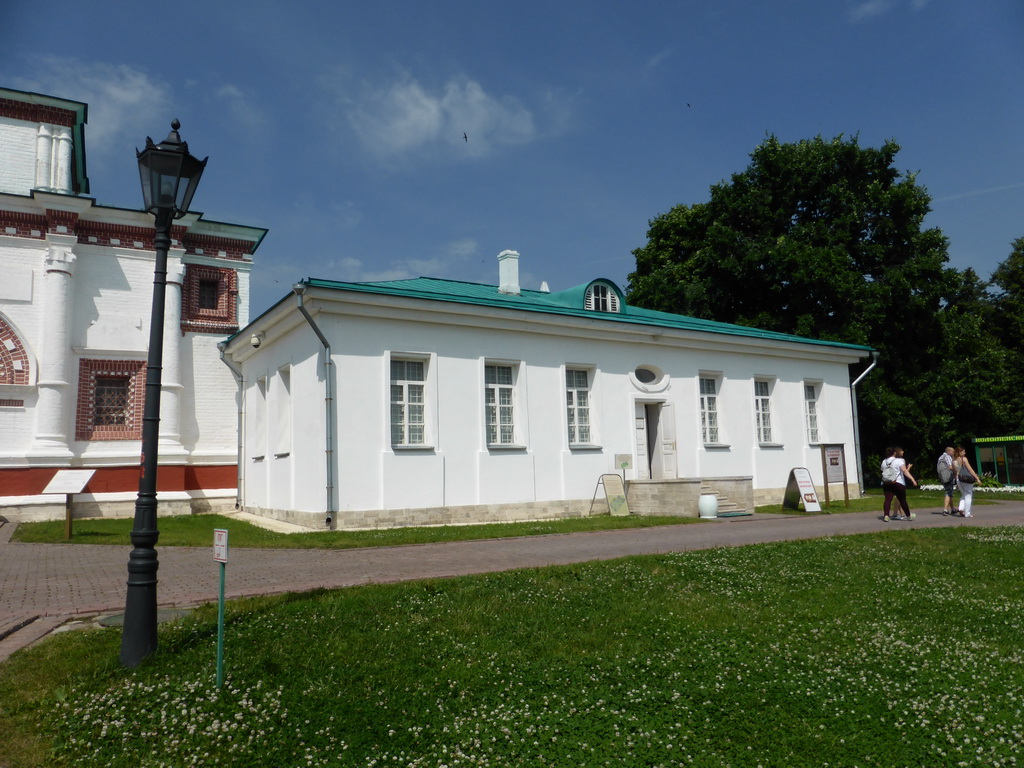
{"x": 75, "y": 299}
{"x": 436, "y": 401}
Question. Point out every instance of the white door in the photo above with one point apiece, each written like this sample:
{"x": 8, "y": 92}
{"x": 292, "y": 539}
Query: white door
{"x": 655, "y": 441}
{"x": 666, "y": 443}
{"x": 643, "y": 454}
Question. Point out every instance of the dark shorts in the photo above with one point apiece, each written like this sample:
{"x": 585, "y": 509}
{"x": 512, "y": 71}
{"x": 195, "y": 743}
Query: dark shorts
{"x": 948, "y": 487}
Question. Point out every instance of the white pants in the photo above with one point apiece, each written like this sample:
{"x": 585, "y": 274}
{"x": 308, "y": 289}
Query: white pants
{"x": 966, "y": 497}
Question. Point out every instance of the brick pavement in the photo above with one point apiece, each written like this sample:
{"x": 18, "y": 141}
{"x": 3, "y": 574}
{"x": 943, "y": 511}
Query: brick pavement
{"x": 44, "y": 585}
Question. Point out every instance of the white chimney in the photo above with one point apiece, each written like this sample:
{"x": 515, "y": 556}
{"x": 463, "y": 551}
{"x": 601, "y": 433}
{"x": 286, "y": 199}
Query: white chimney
{"x": 508, "y": 272}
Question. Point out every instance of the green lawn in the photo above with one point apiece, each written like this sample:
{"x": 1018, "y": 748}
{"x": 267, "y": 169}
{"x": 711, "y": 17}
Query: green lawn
{"x": 889, "y": 649}
{"x": 197, "y": 531}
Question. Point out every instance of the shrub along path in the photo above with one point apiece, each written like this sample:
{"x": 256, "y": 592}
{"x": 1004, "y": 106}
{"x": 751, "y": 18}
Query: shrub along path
{"x": 45, "y": 585}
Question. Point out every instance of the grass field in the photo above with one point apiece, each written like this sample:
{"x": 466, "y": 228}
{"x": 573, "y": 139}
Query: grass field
{"x": 900, "y": 648}
{"x": 197, "y": 531}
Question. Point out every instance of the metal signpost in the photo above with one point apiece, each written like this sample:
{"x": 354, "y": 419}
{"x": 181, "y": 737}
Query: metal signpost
{"x": 220, "y": 554}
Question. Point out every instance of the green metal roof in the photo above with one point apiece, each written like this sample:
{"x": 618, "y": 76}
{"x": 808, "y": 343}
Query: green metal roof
{"x": 568, "y": 302}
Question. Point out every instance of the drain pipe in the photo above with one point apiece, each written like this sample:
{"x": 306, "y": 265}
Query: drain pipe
{"x": 856, "y": 423}
{"x": 299, "y": 289}
{"x": 239, "y": 491}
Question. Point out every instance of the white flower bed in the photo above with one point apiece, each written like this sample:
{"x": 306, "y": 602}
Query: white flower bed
{"x": 977, "y": 488}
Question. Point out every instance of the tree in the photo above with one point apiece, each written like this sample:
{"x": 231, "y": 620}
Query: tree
{"x": 820, "y": 238}
{"x": 1007, "y": 320}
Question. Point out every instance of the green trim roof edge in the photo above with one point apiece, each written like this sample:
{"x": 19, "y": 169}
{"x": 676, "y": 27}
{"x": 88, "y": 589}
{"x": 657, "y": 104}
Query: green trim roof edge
{"x": 480, "y": 294}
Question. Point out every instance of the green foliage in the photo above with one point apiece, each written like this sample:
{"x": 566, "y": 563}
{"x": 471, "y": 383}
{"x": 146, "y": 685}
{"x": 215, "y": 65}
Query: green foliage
{"x": 1008, "y": 325}
{"x": 824, "y": 238}
{"x": 779, "y": 654}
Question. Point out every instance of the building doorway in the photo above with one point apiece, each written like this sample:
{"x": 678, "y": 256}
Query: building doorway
{"x": 655, "y": 441}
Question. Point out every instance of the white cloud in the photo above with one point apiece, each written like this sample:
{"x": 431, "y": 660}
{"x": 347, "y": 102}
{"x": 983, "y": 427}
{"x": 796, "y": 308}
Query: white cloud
{"x": 405, "y": 116}
{"x": 862, "y": 10}
{"x": 448, "y": 261}
{"x": 868, "y": 10}
{"x": 125, "y": 104}
{"x": 241, "y": 106}
{"x": 656, "y": 60}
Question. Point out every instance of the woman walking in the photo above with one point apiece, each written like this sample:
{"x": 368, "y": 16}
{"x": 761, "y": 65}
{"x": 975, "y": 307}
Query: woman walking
{"x": 966, "y": 477}
{"x": 895, "y": 474}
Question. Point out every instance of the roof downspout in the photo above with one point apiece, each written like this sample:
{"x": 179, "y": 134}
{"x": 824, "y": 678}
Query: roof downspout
{"x": 299, "y": 289}
{"x": 239, "y": 491}
{"x": 856, "y": 422}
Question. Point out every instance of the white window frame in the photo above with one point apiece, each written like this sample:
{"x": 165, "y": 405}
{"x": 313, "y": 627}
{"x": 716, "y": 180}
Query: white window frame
{"x": 579, "y": 417}
{"x": 502, "y": 420}
{"x": 601, "y": 297}
{"x": 710, "y": 421}
{"x": 763, "y": 410}
{"x": 812, "y": 415}
{"x": 408, "y": 389}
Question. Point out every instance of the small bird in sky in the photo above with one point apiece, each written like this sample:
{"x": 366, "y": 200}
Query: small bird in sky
{"x": 465, "y": 137}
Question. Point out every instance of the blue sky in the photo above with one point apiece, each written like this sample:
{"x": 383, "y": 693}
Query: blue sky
{"x": 339, "y": 126}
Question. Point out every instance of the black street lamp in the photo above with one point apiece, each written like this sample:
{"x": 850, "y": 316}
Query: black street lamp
{"x": 169, "y": 176}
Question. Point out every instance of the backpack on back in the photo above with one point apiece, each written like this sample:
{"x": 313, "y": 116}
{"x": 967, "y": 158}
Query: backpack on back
{"x": 944, "y": 471}
{"x": 889, "y": 471}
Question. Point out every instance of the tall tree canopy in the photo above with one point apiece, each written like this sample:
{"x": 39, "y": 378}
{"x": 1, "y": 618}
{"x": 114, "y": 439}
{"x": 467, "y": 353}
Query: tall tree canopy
{"x": 824, "y": 238}
{"x": 1008, "y": 321}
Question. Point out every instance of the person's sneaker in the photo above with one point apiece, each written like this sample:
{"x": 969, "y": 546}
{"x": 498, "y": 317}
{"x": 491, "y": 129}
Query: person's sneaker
{"x": 900, "y": 517}
{"x": 945, "y": 513}
{"x": 885, "y": 518}
{"x": 911, "y": 516}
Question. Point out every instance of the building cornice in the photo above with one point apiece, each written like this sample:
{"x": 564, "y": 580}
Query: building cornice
{"x": 34, "y": 216}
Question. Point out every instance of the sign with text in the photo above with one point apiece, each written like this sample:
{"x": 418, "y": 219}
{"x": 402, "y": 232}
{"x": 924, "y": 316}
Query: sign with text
{"x": 800, "y": 490}
{"x": 615, "y": 493}
{"x": 220, "y": 545}
{"x": 835, "y": 465}
{"x": 69, "y": 481}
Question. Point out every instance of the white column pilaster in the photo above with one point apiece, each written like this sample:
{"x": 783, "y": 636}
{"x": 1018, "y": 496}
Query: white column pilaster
{"x": 53, "y": 424}
{"x": 62, "y": 176}
{"x": 171, "y": 388}
{"x": 44, "y": 157}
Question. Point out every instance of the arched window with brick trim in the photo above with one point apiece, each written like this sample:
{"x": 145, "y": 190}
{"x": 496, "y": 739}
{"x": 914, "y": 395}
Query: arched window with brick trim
{"x": 14, "y": 359}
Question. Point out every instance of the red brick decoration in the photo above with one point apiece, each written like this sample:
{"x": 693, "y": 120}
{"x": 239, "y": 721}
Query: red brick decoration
{"x": 103, "y": 233}
{"x": 61, "y": 221}
{"x": 105, "y": 410}
{"x": 36, "y": 113}
{"x": 12, "y": 403}
{"x": 209, "y": 300}
{"x": 18, "y": 224}
{"x": 13, "y": 357}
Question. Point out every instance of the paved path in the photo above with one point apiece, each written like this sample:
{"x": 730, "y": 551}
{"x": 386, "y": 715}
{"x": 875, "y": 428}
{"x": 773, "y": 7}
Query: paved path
{"x": 45, "y": 585}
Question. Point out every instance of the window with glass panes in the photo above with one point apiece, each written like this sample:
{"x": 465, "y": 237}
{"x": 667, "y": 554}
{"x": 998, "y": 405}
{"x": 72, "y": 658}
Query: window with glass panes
{"x": 499, "y": 401}
{"x": 407, "y": 402}
{"x": 709, "y": 410}
{"x": 577, "y": 404}
{"x": 811, "y": 412}
{"x": 762, "y": 411}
